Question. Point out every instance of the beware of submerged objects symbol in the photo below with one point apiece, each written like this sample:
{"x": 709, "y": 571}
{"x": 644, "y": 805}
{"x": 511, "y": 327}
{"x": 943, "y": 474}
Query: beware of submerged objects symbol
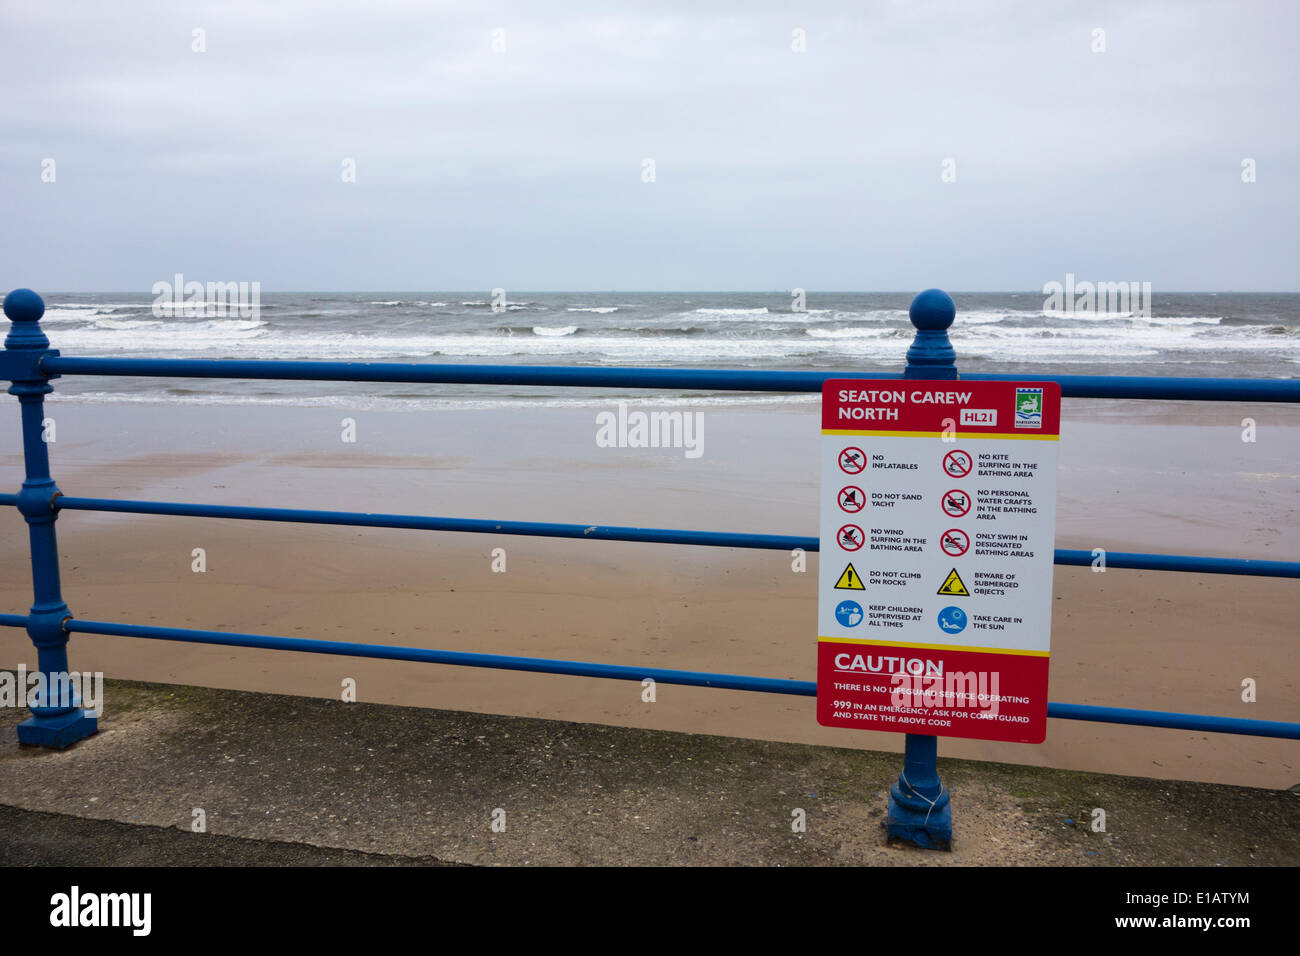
{"x": 953, "y": 584}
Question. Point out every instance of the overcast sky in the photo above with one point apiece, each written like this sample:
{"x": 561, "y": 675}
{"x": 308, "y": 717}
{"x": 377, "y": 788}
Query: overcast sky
{"x": 774, "y": 169}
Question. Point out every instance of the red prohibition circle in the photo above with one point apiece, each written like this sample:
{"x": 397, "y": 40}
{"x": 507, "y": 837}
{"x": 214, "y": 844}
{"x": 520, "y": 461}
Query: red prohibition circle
{"x": 861, "y": 458}
{"x": 954, "y": 542}
{"x": 847, "y": 543}
{"x": 957, "y": 464}
{"x": 953, "y": 505}
{"x": 855, "y": 496}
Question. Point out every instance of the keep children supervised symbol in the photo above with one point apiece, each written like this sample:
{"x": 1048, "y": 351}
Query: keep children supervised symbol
{"x": 957, "y": 463}
{"x": 850, "y": 537}
{"x": 849, "y": 613}
{"x": 955, "y": 503}
{"x": 852, "y": 461}
{"x": 852, "y": 499}
{"x": 850, "y": 580}
{"x": 954, "y": 542}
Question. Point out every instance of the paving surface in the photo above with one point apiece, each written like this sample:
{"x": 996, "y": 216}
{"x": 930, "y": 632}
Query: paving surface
{"x": 293, "y": 780}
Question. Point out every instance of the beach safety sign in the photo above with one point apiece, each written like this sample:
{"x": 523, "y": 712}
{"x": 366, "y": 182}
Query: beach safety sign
{"x": 938, "y": 519}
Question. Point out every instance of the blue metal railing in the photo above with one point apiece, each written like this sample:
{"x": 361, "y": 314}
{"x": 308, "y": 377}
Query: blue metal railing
{"x": 29, "y": 362}
{"x": 723, "y": 380}
{"x": 547, "y": 529}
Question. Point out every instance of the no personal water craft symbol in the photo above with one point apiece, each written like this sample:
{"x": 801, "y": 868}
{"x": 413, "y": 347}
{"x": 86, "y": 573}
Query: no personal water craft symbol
{"x": 955, "y": 503}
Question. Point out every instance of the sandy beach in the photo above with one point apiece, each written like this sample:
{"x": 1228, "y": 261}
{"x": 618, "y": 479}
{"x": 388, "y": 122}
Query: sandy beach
{"x": 1138, "y": 477}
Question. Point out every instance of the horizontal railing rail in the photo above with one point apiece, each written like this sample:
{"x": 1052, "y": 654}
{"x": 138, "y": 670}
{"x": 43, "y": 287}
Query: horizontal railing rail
{"x": 768, "y": 685}
{"x": 721, "y": 539}
{"x": 741, "y": 380}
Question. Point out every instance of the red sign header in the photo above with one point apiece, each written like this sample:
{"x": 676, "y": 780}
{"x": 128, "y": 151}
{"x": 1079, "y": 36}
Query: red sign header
{"x": 971, "y": 408}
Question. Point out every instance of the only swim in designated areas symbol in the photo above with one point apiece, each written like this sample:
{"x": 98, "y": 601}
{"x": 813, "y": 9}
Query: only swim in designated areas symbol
{"x": 852, "y": 460}
{"x": 954, "y": 542}
{"x": 850, "y": 580}
{"x": 848, "y": 613}
{"x": 953, "y": 585}
{"x": 952, "y": 620}
{"x": 851, "y": 499}
{"x": 957, "y": 463}
{"x": 849, "y": 537}
{"x": 955, "y": 503}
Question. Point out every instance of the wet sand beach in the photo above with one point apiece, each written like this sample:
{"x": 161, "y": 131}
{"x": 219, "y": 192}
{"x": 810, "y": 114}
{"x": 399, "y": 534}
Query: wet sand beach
{"x": 1139, "y": 477}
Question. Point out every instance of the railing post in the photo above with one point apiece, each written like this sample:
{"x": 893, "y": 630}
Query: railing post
{"x": 919, "y": 809}
{"x": 57, "y": 716}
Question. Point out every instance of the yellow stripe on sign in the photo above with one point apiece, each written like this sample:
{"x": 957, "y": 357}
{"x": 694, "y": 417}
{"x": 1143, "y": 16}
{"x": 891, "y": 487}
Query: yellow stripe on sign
{"x": 933, "y": 647}
{"x": 956, "y": 435}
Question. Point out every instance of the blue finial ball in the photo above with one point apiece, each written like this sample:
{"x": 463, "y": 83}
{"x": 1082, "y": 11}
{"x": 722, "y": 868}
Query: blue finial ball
{"x": 24, "y": 305}
{"x": 932, "y": 309}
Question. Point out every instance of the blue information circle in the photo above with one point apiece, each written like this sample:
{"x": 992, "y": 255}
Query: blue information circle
{"x": 848, "y": 613}
{"x": 952, "y": 620}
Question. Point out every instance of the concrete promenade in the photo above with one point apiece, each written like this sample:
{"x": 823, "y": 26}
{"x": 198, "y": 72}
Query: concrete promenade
{"x": 293, "y": 780}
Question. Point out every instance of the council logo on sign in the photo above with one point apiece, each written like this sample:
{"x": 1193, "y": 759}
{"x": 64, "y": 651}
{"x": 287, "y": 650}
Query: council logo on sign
{"x": 1029, "y": 408}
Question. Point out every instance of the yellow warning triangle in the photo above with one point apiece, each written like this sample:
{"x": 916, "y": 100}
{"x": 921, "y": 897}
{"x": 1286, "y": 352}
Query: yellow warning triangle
{"x": 952, "y": 584}
{"x": 850, "y": 580}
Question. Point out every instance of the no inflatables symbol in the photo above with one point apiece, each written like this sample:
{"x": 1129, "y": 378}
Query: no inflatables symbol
{"x": 850, "y": 580}
{"x": 954, "y": 542}
{"x": 955, "y": 503}
{"x": 852, "y": 460}
{"x": 957, "y": 464}
{"x": 851, "y": 499}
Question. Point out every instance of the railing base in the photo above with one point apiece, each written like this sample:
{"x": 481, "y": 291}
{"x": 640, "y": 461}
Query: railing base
{"x": 59, "y": 731}
{"x": 920, "y": 810}
{"x": 929, "y": 828}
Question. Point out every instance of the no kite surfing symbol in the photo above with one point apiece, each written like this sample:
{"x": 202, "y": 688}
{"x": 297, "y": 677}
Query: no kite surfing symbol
{"x": 957, "y": 464}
